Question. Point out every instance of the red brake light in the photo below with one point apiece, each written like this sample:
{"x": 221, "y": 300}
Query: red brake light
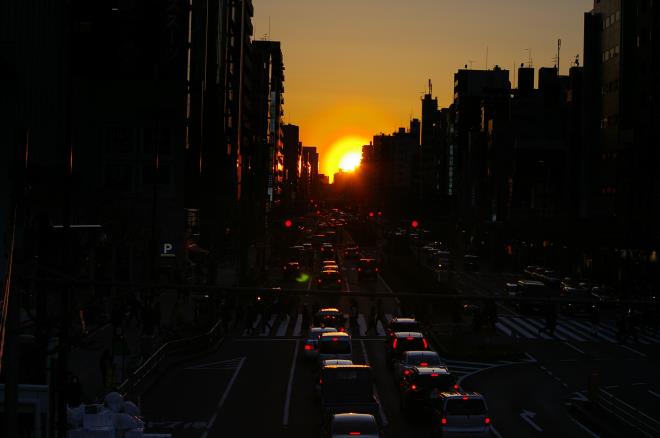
{"x": 359, "y": 269}
{"x": 318, "y": 281}
{"x": 335, "y": 339}
{"x": 320, "y": 381}
{"x": 456, "y": 386}
{"x": 486, "y": 420}
{"x": 339, "y": 280}
{"x": 443, "y": 421}
{"x": 434, "y": 374}
{"x": 423, "y": 364}
{"x": 354, "y": 433}
{"x": 309, "y": 347}
{"x": 394, "y": 343}
{"x": 376, "y": 269}
{"x": 406, "y": 372}
{"x": 413, "y": 387}
{"x": 409, "y": 338}
{"x": 426, "y": 344}
{"x": 342, "y": 329}
{"x": 465, "y": 397}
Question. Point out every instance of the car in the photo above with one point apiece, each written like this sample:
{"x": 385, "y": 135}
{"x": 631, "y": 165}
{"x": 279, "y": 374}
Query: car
{"x": 328, "y": 362}
{"x": 329, "y": 279}
{"x": 460, "y": 414}
{"x": 424, "y": 384}
{"x": 531, "y": 289}
{"x": 348, "y": 425}
{"x": 531, "y": 269}
{"x": 400, "y": 342}
{"x": 311, "y": 343}
{"x": 346, "y": 388}
{"x": 402, "y": 324}
{"x": 367, "y": 268}
{"x": 352, "y": 253}
{"x": 470, "y": 262}
{"x": 329, "y": 264}
{"x": 404, "y": 365}
{"x": 330, "y": 317}
{"x": 335, "y": 345}
{"x": 291, "y": 270}
{"x": 550, "y": 277}
{"x": 328, "y": 251}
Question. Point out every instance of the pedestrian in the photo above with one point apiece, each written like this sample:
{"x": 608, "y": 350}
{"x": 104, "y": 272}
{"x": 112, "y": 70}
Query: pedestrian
{"x": 491, "y": 313}
{"x": 550, "y": 320}
{"x": 73, "y": 391}
{"x": 105, "y": 365}
{"x": 594, "y": 318}
{"x": 373, "y": 319}
{"x": 250, "y": 314}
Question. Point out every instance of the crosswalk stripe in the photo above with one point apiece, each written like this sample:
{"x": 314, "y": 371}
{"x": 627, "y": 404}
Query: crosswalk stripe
{"x": 600, "y": 333}
{"x": 561, "y": 328}
{"x": 297, "y": 327}
{"x": 284, "y": 324}
{"x": 362, "y": 324}
{"x": 379, "y": 328}
{"x": 530, "y": 324}
{"x": 518, "y": 328}
{"x": 504, "y": 329}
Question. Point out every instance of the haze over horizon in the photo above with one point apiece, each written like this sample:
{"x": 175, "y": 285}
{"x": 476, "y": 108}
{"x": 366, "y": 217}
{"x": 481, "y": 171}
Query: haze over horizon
{"x": 354, "y": 70}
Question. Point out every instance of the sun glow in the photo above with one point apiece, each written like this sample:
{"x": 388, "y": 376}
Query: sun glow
{"x": 350, "y": 161}
{"x": 345, "y": 154}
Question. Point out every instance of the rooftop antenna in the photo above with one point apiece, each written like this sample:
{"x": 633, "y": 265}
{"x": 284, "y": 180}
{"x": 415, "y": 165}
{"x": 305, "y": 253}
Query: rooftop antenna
{"x": 558, "y": 50}
{"x": 577, "y": 60}
{"x": 269, "y": 28}
{"x": 486, "y": 57}
{"x": 430, "y": 87}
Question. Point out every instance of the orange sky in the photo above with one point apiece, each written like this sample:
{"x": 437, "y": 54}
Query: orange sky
{"x": 355, "y": 68}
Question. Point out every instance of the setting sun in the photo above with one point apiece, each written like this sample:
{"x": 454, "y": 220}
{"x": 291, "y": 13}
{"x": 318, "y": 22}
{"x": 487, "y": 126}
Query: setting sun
{"x": 344, "y": 154}
{"x": 350, "y": 161}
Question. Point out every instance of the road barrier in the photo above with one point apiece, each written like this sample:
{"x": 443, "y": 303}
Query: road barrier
{"x": 165, "y": 354}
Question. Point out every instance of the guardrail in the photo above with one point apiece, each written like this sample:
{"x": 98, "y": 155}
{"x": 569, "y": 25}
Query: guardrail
{"x": 633, "y": 417}
{"x": 199, "y": 342}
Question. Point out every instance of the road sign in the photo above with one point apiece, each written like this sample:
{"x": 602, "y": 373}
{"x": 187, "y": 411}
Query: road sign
{"x": 167, "y": 250}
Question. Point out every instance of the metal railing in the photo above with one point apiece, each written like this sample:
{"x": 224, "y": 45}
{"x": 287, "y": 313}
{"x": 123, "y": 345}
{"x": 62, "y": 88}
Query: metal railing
{"x": 168, "y": 350}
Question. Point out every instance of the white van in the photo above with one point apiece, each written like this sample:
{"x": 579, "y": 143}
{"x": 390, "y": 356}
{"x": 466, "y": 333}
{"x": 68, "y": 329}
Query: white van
{"x": 335, "y": 345}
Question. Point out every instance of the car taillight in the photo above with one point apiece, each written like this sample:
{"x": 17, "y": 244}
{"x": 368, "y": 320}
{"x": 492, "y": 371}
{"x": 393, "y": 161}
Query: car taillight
{"x": 320, "y": 381}
{"x": 465, "y": 397}
{"x": 376, "y": 269}
{"x": 443, "y": 421}
{"x": 406, "y": 372}
{"x": 456, "y": 387}
{"x": 339, "y": 280}
{"x": 394, "y": 343}
{"x": 309, "y": 347}
{"x": 342, "y": 329}
{"x": 409, "y": 338}
{"x": 426, "y": 344}
{"x": 434, "y": 374}
{"x": 413, "y": 387}
{"x": 354, "y": 433}
{"x": 318, "y": 281}
{"x": 486, "y": 420}
{"x": 335, "y": 339}
{"x": 423, "y": 364}
{"x": 359, "y": 269}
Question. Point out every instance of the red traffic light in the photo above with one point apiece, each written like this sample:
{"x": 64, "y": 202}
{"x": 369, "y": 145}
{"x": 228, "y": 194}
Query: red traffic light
{"x": 414, "y": 224}
{"x": 288, "y": 223}
{"x": 371, "y": 214}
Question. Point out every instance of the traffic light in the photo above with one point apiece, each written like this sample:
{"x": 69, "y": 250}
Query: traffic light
{"x": 288, "y": 223}
{"x": 414, "y": 223}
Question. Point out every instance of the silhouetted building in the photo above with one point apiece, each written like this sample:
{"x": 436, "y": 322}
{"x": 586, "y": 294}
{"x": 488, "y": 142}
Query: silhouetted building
{"x": 309, "y": 176}
{"x": 621, "y": 95}
{"x": 292, "y": 164}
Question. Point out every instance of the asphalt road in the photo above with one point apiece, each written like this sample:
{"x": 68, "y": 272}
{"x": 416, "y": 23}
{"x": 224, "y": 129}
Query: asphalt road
{"x": 260, "y": 384}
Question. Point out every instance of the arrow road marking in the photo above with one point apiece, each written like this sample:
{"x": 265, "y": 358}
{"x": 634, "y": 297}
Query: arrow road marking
{"x": 528, "y": 416}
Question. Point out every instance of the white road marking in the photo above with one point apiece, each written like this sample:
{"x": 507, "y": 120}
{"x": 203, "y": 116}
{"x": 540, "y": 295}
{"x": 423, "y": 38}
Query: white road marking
{"x": 574, "y": 347}
{"x": 281, "y": 330}
{"x": 585, "y": 428}
{"x": 289, "y": 387}
{"x": 495, "y": 432}
{"x": 219, "y": 365}
{"x": 518, "y": 328}
{"x": 381, "y": 411}
{"x": 501, "y": 327}
{"x": 379, "y": 328}
{"x": 654, "y": 393}
{"x": 362, "y": 324}
{"x": 528, "y": 416}
{"x": 632, "y": 349}
{"x": 298, "y": 326}
{"x": 210, "y": 423}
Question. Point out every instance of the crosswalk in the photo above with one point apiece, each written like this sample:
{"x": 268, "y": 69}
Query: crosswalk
{"x": 462, "y": 368}
{"x": 285, "y": 326}
{"x": 567, "y": 329}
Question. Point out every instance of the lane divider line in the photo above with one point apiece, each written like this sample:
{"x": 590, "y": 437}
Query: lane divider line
{"x": 211, "y": 422}
{"x": 289, "y": 387}
{"x": 381, "y": 411}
